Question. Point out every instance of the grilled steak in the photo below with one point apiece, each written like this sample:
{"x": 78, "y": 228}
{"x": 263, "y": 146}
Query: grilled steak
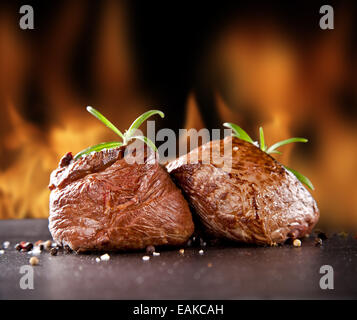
{"x": 101, "y": 202}
{"x": 257, "y": 201}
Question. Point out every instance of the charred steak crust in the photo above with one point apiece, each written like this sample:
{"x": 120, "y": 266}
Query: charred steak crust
{"x": 101, "y": 202}
{"x": 258, "y": 201}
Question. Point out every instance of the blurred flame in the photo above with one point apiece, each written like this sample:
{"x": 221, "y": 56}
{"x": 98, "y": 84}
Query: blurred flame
{"x": 270, "y": 81}
{"x": 22, "y": 189}
{"x": 29, "y": 151}
{"x": 23, "y": 186}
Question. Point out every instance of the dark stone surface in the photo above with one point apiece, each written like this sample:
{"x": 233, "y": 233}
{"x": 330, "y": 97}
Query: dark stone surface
{"x": 239, "y": 272}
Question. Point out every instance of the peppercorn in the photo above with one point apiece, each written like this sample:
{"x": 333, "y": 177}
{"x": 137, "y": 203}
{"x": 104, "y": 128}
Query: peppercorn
{"x": 202, "y": 243}
{"x": 67, "y": 248}
{"x": 318, "y": 242}
{"x": 195, "y": 240}
{"x": 54, "y": 251}
{"x": 18, "y": 247}
{"x": 27, "y": 246}
{"x": 150, "y": 249}
{"x": 48, "y": 244}
{"x": 34, "y": 261}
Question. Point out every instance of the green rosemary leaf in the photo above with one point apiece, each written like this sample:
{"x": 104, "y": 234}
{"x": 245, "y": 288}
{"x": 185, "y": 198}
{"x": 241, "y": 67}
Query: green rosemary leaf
{"x": 276, "y": 151}
{"x": 301, "y": 178}
{"x": 284, "y": 142}
{"x": 262, "y": 141}
{"x": 238, "y": 132}
{"x": 145, "y": 140}
{"x": 104, "y": 120}
{"x": 139, "y": 121}
{"x": 98, "y": 147}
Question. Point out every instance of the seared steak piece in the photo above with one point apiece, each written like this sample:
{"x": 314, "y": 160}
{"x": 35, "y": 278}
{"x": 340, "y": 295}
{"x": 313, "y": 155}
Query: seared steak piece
{"x": 257, "y": 201}
{"x": 101, "y": 202}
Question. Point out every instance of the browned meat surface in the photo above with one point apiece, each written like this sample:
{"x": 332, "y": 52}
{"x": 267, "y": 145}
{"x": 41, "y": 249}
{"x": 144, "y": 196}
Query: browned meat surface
{"x": 258, "y": 201}
{"x": 100, "y": 202}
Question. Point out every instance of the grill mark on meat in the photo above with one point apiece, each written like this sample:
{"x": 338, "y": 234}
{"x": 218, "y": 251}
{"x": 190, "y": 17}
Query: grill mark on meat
{"x": 255, "y": 206}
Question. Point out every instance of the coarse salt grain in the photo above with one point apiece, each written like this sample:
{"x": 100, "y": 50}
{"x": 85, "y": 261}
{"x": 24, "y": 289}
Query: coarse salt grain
{"x": 6, "y": 244}
{"x": 2, "y": 252}
{"x": 156, "y": 254}
{"x": 97, "y": 259}
{"x": 105, "y": 257}
{"x": 146, "y": 258}
{"x": 201, "y": 252}
{"x": 36, "y": 251}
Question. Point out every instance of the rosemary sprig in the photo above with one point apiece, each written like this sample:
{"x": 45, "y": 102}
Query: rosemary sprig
{"x": 98, "y": 147}
{"x": 301, "y": 177}
{"x": 238, "y": 132}
{"x": 140, "y": 120}
{"x": 126, "y": 137}
{"x": 241, "y": 134}
{"x": 146, "y": 140}
{"x": 262, "y": 140}
{"x": 281, "y": 143}
{"x": 103, "y": 119}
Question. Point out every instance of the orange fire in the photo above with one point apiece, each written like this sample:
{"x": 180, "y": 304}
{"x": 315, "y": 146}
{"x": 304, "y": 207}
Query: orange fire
{"x": 269, "y": 82}
{"x": 23, "y": 185}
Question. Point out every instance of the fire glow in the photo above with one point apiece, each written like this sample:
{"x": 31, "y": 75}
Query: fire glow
{"x": 272, "y": 82}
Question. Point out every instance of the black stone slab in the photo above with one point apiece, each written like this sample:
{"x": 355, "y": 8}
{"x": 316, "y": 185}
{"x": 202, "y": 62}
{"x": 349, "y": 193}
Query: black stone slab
{"x": 238, "y": 272}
